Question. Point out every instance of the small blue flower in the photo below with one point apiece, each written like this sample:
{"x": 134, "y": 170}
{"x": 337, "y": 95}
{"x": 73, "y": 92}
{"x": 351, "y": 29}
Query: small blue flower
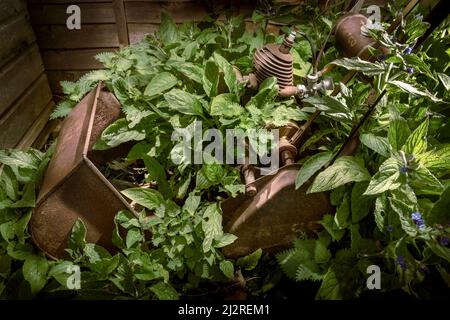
{"x": 444, "y": 241}
{"x": 401, "y": 262}
{"x": 382, "y": 57}
{"x": 418, "y": 220}
{"x": 410, "y": 70}
{"x": 407, "y": 50}
{"x": 404, "y": 169}
{"x": 390, "y": 228}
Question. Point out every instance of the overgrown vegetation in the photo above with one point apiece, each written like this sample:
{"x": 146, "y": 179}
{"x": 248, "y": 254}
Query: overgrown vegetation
{"x": 390, "y": 197}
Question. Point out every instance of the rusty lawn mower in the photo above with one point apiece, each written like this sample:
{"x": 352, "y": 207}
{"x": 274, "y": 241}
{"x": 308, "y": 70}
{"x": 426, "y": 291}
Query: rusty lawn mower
{"x": 269, "y": 215}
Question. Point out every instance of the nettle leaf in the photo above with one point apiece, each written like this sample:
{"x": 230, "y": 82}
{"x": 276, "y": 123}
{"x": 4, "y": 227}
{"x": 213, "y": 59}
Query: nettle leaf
{"x": 409, "y": 88}
{"x": 398, "y": 133}
{"x": 168, "y": 31}
{"x": 211, "y": 225}
{"x": 183, "y": 102}
{"x": 417, "y": 141}
{"x": 311, "y": 166}
{"x": 367, "y": 68}
{"x": 227, "y": 268}
{"x": 161, "y": 82}
{"x": 387, "y": 178}
{"x": 148, "y": 198}
{"x": 344, "y": 170}
{"x": 164, "y": 291}
{"x": 436, "y": 160}
{"x": 376, "y": 143}
{"x": 35, "y": 272}
{"x": 214, "y": 172}
{"x": 226, "y": 105}
{"x": 18, "y": 158}
{"x": 210, "y": 78}
{"x": 331, "y": 106}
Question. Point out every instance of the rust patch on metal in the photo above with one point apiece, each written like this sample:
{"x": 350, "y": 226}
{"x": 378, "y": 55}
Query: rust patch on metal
{"x": 273, "y": 218}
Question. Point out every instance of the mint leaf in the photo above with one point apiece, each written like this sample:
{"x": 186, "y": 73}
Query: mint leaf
{"x": 227, "y": 268}
{"x": 398, "y": 133}
{"x": 311, "y": 166}
{"x": 35, "y": 272}
{"x": 417, "y": 141}
{"x": 161, "y": 82}
{"x": 376, "y": 143}
{"x": 148, "y": 198}
{"x": 387, "y": 178}
{"x": 344, "y": 170}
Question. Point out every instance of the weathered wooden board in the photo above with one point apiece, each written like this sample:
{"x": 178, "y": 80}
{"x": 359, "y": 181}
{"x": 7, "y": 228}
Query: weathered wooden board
{"x": 55, "y": 76}
{"x": 36, "y": 128}
{"x": 90, "y": 36}
{"x": 15, "y": 36}
{"x": 24, "y": 112}
{"x": 56, "y": 13}
{"x": 9, "y": 8}
{"x": 121, "y": 22}
{"x": 17, "y": 75}
{"x": 138, "y": 31}
{"x": 78, "y": 59}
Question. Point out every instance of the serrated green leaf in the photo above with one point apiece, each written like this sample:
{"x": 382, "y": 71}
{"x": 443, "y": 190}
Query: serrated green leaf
{"x": 368, "y": 68}
{"x": 226, "y": 105}
{"x": 387, "y": 178}
{"x": 344, "y": 170}
{"x": 161, "y": 82}
{"x": 409, "y": 88}
{"x": 417, "y": 141}
{"x": 398, "y": 133}
{"x": 376, "y": 143}
{"x": 164, "y": 291}
{"x": 311, "y": 166}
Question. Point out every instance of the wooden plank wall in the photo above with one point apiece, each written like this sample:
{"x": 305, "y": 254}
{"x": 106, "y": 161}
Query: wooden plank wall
{"x": 25, "y": 96}
{"x": 105, "y": 26}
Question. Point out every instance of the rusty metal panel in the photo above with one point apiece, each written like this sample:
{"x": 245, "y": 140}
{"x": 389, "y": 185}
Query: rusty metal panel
{"x": 274, "y": 217}
{"x": 73, "y": 187}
